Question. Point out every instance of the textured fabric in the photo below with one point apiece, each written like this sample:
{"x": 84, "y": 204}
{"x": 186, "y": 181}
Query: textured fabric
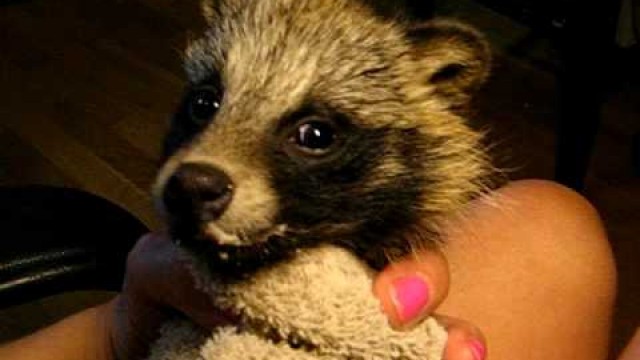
{"x": 321, "y": 302}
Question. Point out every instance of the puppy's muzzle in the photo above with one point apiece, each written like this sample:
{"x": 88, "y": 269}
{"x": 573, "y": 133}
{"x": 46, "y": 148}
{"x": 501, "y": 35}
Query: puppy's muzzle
{"x": 198, "y": 193}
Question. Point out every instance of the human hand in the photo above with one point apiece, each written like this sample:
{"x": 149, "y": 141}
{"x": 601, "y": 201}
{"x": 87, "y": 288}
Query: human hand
{"x": 157, "y": 286}
{"x": 411, "y": 289}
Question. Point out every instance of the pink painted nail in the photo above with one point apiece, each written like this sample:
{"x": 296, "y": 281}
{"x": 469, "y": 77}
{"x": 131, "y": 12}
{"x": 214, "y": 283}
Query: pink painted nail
{"x": 410, "y": 296}
{"x": 478, "y": 350}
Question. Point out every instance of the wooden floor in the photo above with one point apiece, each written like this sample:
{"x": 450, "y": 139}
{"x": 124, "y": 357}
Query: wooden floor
{"x": 87, "y": 88}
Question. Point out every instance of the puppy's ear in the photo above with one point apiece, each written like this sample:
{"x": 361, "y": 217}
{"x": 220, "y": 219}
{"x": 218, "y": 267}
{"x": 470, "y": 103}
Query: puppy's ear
{"x": 209, "y": 10}
{"x": 455, "y": 58}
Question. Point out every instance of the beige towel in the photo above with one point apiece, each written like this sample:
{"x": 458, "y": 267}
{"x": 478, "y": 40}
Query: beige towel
{"x": 321, "y": 301}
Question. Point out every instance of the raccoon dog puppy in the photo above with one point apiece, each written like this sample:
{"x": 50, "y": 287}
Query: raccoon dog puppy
{"x": 314, "y": 122}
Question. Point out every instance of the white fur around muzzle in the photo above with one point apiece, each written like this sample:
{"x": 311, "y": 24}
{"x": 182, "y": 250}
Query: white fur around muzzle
{"x": 322, "y": 297}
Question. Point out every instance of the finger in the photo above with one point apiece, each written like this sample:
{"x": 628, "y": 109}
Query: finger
{"x": 149, "y": 261}
{"x": 185, "y": 296}
{"x": 202, "y": 312}
{"x": 464, "y": 341}
{"x": 162, "y": 278}
{"x": 195, "y": 303}
{"x": 409, "y": 290}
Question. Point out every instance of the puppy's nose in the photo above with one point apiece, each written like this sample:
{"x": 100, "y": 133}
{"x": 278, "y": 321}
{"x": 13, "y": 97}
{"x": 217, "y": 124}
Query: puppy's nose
{"x": 199, "y": 191}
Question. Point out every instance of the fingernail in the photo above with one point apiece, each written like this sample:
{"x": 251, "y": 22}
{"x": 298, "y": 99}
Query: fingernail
{"x": 478, "y": 350}
{"x": 410, "y": 296}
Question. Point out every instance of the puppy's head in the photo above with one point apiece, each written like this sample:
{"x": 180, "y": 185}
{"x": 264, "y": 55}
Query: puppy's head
{"x": 315, "y": 120}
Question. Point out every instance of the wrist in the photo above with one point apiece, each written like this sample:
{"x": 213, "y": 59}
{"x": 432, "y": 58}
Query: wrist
{"x": 112, "y": 312}
{"x": 123, "y": 330}
{"x": 133, "y": 325}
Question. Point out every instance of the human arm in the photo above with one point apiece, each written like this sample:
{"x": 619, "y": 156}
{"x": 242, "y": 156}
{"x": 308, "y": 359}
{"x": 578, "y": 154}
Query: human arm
{"x": 83, "y": 336}
{"x": 531, "y": 265}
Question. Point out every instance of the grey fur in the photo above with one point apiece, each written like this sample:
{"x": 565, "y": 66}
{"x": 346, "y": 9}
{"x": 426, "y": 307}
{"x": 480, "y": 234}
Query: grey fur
{"x": 273, "y": 57}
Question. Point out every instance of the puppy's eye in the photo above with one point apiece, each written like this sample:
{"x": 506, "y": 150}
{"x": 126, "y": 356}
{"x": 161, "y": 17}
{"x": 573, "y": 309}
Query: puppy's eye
{"x": 203, "y": 104}
{"x": 315, "y": 137}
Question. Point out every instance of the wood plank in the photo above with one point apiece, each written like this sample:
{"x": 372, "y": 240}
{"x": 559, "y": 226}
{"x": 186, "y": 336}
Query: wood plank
{"x": 81, "y": 164}
{"x": 21, "y": 164}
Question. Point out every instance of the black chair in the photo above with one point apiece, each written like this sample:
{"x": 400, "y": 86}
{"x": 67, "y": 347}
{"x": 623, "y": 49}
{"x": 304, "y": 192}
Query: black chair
{"x": 56, "y": 240}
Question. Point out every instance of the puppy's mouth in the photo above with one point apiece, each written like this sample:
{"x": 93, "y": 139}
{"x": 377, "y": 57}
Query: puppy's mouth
{"x": 219, "y": 236}
{"x": 237, "y": 255}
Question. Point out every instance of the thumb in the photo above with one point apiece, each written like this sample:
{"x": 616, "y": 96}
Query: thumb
{"x": 409, "y": 290}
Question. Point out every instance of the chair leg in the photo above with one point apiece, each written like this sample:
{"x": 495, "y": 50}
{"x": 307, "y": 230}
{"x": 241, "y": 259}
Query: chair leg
{"x": 577, "y": 131}
{"x": 586, "y": 47}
